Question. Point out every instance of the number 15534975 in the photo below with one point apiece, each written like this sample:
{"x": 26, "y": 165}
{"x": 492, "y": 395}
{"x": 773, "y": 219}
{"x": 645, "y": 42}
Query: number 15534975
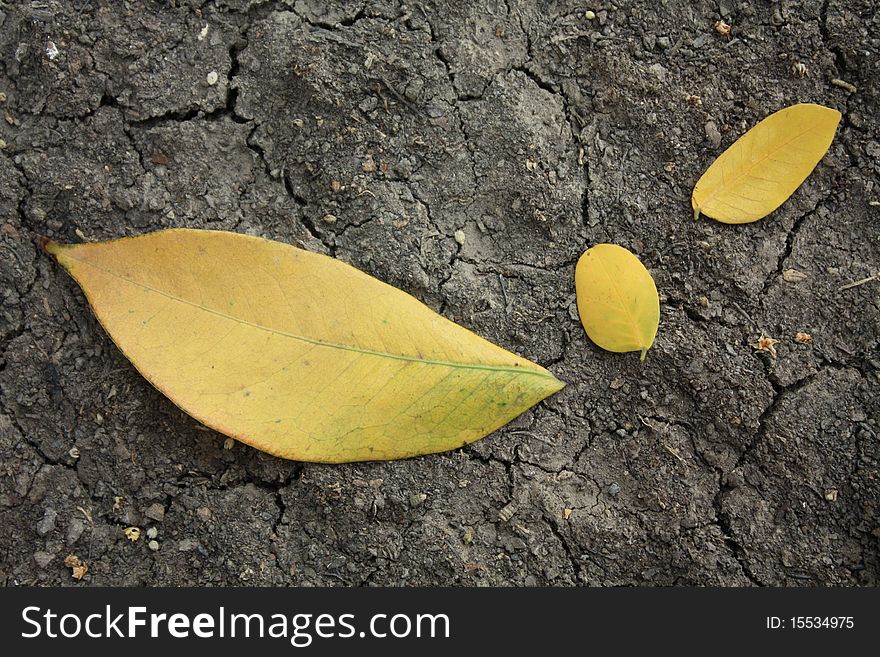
{"x": 810, "y": 623}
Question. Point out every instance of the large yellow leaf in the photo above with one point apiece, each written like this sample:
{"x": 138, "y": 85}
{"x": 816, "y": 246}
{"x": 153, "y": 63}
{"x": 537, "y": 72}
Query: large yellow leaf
{"x": 617, "y": 299}
{"x": 295, "y": 353}
{"x": 766, "y": 165}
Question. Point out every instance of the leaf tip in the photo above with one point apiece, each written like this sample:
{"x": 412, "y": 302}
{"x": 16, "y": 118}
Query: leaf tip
{"x": 553, "y": 385}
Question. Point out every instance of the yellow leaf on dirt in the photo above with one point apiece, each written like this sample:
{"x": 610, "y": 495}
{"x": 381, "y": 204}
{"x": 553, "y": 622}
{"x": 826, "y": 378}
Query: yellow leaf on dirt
{"x": 617, "y": 299}
{"x": 295, "y": 353}
{"x": 766, "y": 165}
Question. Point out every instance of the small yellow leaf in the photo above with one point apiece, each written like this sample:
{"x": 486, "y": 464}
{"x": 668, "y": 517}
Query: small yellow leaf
{"x": 78, "y": 567}
{"x": 803, "y": 338}
{"x": 767, "y": 345}
{"x": 295, "y": 353}
{"x": 617, "y": 299}
{"x": 766, "y": 165}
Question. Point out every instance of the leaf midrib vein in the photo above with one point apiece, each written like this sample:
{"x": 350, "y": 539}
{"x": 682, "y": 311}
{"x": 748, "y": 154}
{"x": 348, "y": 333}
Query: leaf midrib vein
{"x": 724, "y": 188}
{"x": 634, "y": 325}
{"x": 315, "y": 341}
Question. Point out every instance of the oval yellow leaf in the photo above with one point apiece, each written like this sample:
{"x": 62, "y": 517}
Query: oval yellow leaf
{"x": 766, "y": 165}
{"x": 295, "y": 353}
{"x": 617, "y": 299}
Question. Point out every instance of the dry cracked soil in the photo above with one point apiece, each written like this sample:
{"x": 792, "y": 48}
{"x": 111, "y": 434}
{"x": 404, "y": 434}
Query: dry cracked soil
{"x": 467, "y": 153}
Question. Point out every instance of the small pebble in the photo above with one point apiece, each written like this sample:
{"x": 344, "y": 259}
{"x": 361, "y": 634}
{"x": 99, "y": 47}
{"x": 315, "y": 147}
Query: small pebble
{"x": 614, "y": 489}
{"x": 187, "y": 544}
{"x": 459, "y": 237}
{"x": 42, "y": 558}
{"x": 590, "y": 15}
{"x": 156, "y": 512}
{"x": 153, "y": 545}
{"x": 212, "y": 78}
{"x": 417, "y": 499}
{"x": 329, "y": 218}
{"x": 47, "y": 523}
{"x": 659, "y": 71}
{"x": 2, "y": 144}
{"x": 713, "y": 134}
{"x": 404, "y": 168}
{"x": 74, "y": 531}
{"x": 152, "y": 532}
{"x": 9, "y": 229}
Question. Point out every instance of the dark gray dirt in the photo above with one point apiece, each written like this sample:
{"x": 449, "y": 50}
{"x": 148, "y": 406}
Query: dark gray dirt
{"x": 375, "y": 132}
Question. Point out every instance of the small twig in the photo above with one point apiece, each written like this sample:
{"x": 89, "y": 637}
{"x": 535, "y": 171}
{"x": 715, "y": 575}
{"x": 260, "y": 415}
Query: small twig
{"x": 799, "y": 576}
{"x": 843, "y": 84}
{"x": 568, "y": 37}
{"x": 503, "y": 293}
{"x": 662, "y": 429}
{"x": 622, "y": 165}
{"x": 742, "y": 312}
{"x": 524, "y": 432}
{"x": 400, "y": 98}
{"x": 672, "y": 451}
{"x": 675, "y": 47}
{"x": 859, "y": 282}
{"x": 87, "y": 514}
{"x": 324, "y": 33}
